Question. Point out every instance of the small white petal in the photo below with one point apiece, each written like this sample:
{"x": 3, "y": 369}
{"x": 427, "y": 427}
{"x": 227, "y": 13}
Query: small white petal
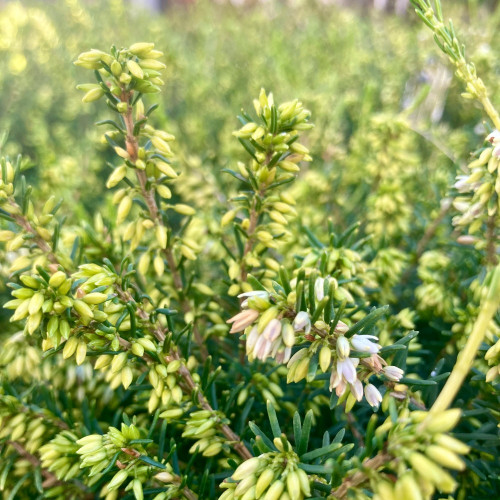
{"x": 393, "y": 373}
{"x": 372, "y": 395}
{"x": 347, "y": 370}
{"x": 302, "y": 322}
{"x": 357, "y": 390}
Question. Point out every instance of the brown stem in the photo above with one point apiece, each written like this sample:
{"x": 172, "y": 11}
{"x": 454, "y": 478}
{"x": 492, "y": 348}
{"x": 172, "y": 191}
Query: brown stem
{"x": 254, "y": 217}
{"x": 50, "y": 479}
{"x": 360, "y": 477}
{"x": 237, "y": 444}
{"x": 148, "y": 194}
{"x": 189, "y": 386}
{"x": 23, "y": 222}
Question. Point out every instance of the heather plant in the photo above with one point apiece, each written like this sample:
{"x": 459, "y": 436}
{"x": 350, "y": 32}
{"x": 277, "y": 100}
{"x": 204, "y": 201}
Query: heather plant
{"x": 227, "y": 330}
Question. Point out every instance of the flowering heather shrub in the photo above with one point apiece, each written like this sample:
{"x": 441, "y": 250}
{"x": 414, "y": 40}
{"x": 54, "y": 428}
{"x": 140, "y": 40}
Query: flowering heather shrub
{"x": 196, "y": 338}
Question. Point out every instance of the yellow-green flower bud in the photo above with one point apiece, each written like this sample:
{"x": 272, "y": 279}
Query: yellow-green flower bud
{"x": 116, "y": 68}
{"x": 275, "y": 490}
{"x": 93, "y": 95}
{"x": 81, "y": 352}
{"x": 135, "y": 70}
{"x": 246, "y": 469}
{"x": 141, "y": 48}
{"x": 117, "y": 480}
{"x": 263, "y": 482}
{"x": 123, "y": 209}
{"x": 325, "y": 357}
{"x": 95, "y": 298}
{"x": 83, "y": 309}
{"x": 70, "y": 347}
{"x": 444, "y": 457}
{"x": 182, "y": 209}
{"x": 161, "y": 236}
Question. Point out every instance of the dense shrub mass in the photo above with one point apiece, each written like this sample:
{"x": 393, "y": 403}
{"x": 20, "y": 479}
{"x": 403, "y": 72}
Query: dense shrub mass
{"x": 300, "y": 302}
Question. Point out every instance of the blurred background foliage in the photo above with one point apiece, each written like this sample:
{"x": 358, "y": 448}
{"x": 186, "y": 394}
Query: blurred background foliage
{"x": 363, "y": 73}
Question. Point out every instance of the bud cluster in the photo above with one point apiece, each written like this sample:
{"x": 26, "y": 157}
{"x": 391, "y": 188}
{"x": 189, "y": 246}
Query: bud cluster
{"x": 25, "y": 427}
{"x": 493, "y": 359}
{"x": 262, "y": 214}
{"x": 202, "y": 426}
{"x": 96, "y": 450}
{"x": 31, "y": 227}
{"x": 123, "y": 76}
{"x": 421, "y": 441}
{"x": 270, "y": 476}
{"x": 19, "y": 359}
{"x": 479, "y": 193}
{"x": 59, "y": 455}
{"x": 272, "y": 327}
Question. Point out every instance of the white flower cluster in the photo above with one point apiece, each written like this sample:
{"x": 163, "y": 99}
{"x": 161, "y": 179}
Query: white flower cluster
{"x": 272, "y": 336}
{"x": 477, "y": 188}
{"x": 347, "y": 370}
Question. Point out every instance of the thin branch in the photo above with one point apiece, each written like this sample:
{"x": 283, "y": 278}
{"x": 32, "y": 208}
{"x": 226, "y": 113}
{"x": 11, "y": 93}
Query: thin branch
{"x": 50, "y": 479}
{"x": 360, "y": 476}
{"x": 154, "y": 212}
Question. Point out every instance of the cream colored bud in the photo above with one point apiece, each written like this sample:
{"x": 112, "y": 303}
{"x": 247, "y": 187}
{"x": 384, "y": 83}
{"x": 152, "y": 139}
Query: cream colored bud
{"x": 246, "y": 469}
{"x": 95, "y": 298}
{"x": 141, "y": 48}
{"x": 164, "y": 191}
{"x": 166, "y": 169}
{"x": 93, "y": 95}
{"x": 161, "y": 236}
{"x": 445, "y": 457}
{"x": 36, "y": 303}
{"x": 444, "y": 421}
{"x": 81, "y": 352}
{"x": 123, "y": 209}
{"x": 147, "y": 344}
{"x": 182, "y": 209}
{"x": 119, "y": 361}
{"x": 123, "y": 153}
{"x": 451, "y": 443}
{"x": 127, "y": 377}
{"x": 102, "y": 361}
{"x": 135, "y": 70}
{"x": 293, "y": 485}
{"x": 70, "y": 347}
{"x": 117, "y": 480}
{"x": 161, "y": 146}
{"x": 263, "y": 482}
{"x": 152, "y": 64}
{"x": 83, "y": 309}
{"x": 275, "y": 490}
{"x": 116, "y": 176}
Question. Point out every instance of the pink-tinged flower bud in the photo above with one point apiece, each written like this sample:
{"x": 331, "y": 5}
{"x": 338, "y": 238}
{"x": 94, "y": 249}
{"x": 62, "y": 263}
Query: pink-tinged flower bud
{"x": 252, "y": 339}
{"x": 273, "y": 330}
{"x": 242, "y": 320}
{"x": 393, "y": 373}
{"x": 341, "y": 327}
{"x": 302, "y": 322}
{"x": 372, "y": 395}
